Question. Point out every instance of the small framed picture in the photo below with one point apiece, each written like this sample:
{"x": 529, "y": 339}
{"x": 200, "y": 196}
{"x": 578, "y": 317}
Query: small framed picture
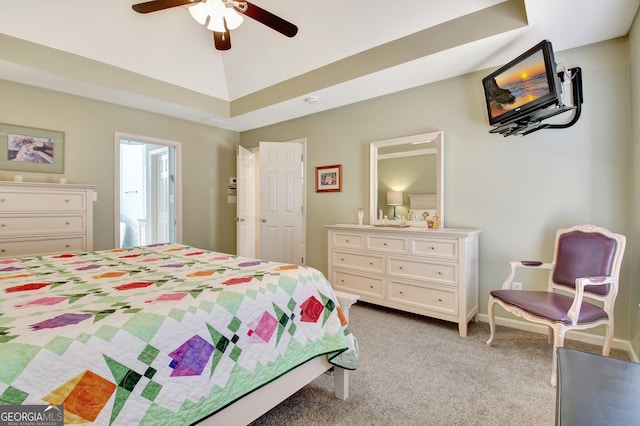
{"x": 329, "y": 178}
{"x": 31, "y": 149}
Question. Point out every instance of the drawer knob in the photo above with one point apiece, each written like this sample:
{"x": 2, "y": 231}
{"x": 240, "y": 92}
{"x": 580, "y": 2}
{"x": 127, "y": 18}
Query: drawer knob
{"x": 439, "y": 300}
{"x": 342, "y": 259}
{"x": 370, "y": 263}
{"x": 439, "y": 273}
{"x": 67, "y": 245}
{"x": 400, "y": 267}
{"x": 384, "y": 244}
{"x": 3, "y": 225}
{"x": 432, "y": 248}
{"x": 67, "y": 200}
{"x": 3, "y": 250}
{"x": 2, "y": 200}
{"x": 371, "y": 286}
{"x": 346, "y": 241}
{"x": 67, "y": 223}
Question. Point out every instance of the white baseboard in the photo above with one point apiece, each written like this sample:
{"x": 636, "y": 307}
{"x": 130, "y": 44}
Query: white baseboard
{"x": 579, "y": 336}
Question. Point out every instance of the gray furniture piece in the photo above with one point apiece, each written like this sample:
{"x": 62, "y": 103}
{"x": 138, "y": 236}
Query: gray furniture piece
{"x": 596, "y": 390}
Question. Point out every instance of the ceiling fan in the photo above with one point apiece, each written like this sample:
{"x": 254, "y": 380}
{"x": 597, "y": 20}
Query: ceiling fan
{"x": 222, "y": 16}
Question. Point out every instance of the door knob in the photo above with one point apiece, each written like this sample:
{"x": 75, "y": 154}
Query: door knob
{"x": 264, "y": 219}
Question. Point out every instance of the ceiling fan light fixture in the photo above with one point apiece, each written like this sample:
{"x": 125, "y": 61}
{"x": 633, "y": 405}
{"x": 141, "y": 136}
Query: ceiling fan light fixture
{"x": 240, "y": 6}
{"x": 216, "y": 23}
{"x": 221, "y": 16}
{"x": 216, "y": 7}
{"x": 233, "y": 18}
{"x": 199, "y": 12}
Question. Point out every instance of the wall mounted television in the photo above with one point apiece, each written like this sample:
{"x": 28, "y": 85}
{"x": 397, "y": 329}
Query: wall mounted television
{"x": 526, "y": 84}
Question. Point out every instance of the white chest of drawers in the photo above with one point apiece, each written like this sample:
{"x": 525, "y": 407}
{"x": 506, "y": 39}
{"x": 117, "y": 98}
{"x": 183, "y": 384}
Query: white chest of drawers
{"x": 428, "y": 272}
{"x": 45, "y": 218}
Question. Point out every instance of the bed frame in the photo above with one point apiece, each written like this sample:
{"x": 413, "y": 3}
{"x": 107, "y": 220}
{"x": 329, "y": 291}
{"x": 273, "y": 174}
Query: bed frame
{"x": 255, "y": 404}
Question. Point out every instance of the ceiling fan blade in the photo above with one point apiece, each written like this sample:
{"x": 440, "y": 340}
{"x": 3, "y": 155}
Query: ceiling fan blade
{"x": 156, "y": 5}
{"x": 270, "y": 20}
{"x": 222, "y": 41}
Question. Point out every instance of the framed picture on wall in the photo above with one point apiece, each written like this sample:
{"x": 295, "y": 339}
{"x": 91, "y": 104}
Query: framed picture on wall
{"x": 329, "y": 178}
{"x": 31, "y": 149}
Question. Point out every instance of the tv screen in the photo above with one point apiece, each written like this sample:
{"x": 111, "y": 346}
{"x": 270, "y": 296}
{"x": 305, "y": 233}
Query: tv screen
{"x": 526, "y": 84}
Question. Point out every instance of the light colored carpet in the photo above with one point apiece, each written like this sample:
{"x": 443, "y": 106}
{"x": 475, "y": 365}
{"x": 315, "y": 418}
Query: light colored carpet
{"x": 418, "y": 371}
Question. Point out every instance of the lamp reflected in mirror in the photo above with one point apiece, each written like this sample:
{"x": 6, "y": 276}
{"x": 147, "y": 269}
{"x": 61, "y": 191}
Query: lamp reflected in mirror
{"x": 394, "y": 198}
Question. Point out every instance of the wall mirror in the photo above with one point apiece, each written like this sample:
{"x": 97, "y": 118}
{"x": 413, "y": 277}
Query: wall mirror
{"x": 406, "y": 177}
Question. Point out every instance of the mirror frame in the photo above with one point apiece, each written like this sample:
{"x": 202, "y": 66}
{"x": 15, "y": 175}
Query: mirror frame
{"x": 438, "y": 139}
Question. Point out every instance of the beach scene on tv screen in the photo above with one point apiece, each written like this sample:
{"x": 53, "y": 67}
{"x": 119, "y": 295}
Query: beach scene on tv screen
{"x": 519, "y": 85}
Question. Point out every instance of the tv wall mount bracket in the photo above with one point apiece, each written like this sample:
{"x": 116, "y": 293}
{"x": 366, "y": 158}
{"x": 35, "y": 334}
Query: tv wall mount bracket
{"x": 534, "y": 121}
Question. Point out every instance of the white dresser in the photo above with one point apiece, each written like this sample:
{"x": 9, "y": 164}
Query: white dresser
{"x": 45, "y": 218}
{"x": 419, "y": 270}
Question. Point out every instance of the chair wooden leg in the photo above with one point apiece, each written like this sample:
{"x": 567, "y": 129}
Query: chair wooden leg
{"x": 558, "y": 342}
{"x": 492, "y": 319}
{"x": 608, "y": 337}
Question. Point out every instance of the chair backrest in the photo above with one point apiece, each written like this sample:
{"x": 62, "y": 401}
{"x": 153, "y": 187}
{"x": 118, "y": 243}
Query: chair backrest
{"x": 587, "y": 251}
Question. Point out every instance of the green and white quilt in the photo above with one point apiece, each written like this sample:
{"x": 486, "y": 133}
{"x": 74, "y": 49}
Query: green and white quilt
{"x": 165, "y": 334}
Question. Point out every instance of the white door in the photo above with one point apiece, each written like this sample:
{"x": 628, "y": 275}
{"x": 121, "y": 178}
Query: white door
{"x": 160, "y": 200}
{"x": 246, "y": 207}
{"x": 281, "y": 200}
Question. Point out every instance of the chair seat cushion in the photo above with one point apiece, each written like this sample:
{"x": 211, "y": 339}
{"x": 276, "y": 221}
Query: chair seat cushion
{"x": 551, "y": 306}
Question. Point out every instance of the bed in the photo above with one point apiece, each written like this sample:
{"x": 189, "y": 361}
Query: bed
{"x": 166, "y": 334}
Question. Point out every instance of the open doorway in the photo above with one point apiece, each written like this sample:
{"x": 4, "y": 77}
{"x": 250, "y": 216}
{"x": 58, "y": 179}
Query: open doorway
{"x": 148, "y": 201}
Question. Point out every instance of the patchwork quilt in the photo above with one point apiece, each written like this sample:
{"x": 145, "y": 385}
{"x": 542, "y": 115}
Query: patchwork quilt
{"x": 164, "y": 334}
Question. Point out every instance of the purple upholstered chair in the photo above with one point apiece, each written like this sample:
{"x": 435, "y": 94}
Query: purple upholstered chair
{"x": 585, "y": 268}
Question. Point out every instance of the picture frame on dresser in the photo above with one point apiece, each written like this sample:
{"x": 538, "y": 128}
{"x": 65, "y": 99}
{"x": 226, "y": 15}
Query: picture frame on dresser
{"x": 31, "y": 149}
{"x": 329, "y": 178}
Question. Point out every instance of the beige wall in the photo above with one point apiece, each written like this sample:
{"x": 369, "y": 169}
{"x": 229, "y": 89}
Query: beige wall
{"x": 89, "y": 126}
{"x": 634, "y": 234}
{"x": 518, "y": 190}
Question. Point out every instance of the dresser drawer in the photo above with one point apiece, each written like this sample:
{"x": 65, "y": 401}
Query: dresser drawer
{"x": 366, "y": 261}
{"x": 21, "y": 225}
{"x": 35, "y": 201}
{"x": 388, "y": 244}
{"x": 341, "y": 239}
{"x": 363, "y": 285}
{"x": 440, "y": 299}
{"x": 33, "y": 247}
{"x": 437, "y": 248}
{"x": 441, "y": 273}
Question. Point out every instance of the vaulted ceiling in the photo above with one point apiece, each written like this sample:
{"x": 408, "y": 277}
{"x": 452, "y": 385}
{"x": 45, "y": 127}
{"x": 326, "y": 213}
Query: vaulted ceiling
{"x": 345, "y": 51}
